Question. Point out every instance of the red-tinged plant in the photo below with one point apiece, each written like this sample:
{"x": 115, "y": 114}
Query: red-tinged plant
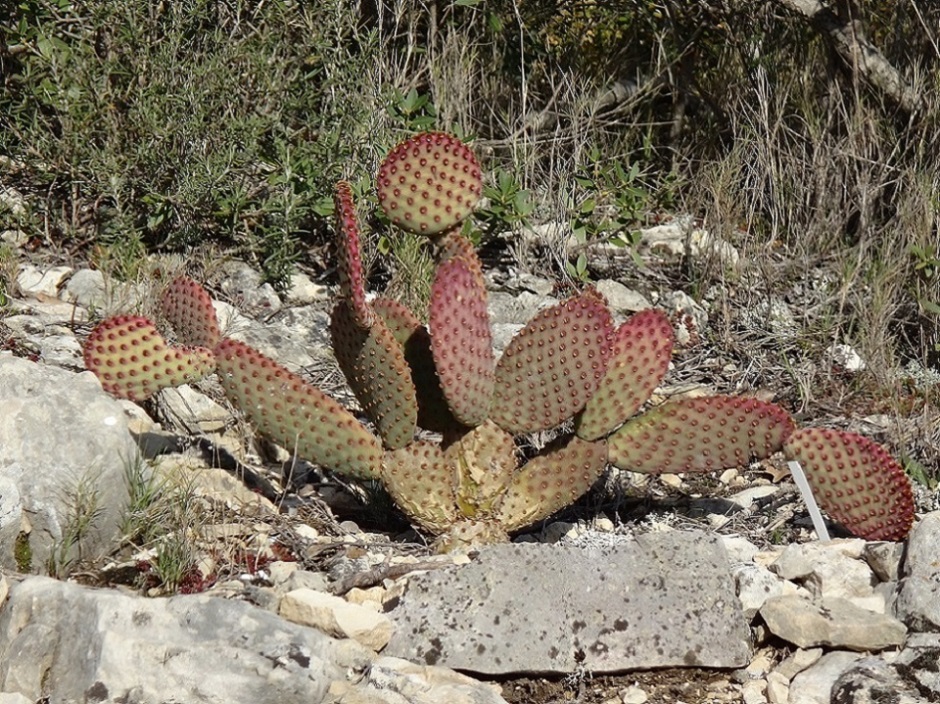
{"x": 570, "y": 363}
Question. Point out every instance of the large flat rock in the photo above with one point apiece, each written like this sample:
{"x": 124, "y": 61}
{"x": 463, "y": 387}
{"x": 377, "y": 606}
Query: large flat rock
{"x": 661, "y": 600}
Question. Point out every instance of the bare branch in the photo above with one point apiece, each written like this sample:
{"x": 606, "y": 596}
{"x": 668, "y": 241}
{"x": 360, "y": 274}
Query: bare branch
{"x": 848, "y": 37}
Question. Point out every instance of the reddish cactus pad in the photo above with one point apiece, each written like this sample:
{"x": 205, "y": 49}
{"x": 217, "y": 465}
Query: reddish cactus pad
{"x": 133, "y": 361}
{"x": 461, "y": 340}
{"x": 295, "y": 414}
{"x": 188, "y": 308}
{"x": 856, "y": 482}
{"x": 553, "y": 365}
{"x": 640, "y": 356}
{"x": 349, "y": 256}
{"x": 700, "y": 435}
{"x": 429, "y": 183}
{"x": 374, "y": 365}
{"x": 551, "y": 481}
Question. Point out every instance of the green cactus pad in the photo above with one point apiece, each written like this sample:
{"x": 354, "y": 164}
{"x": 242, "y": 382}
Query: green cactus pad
{"x": 188, "y": 308}
{"x": 551, "y": 481}
{"x": 349, "y": 256}
{"x": 421, "y": 481}
{"x": 374, "y": 365}
{"x": 461, "y": 341}
{"x": 429, "y": 183}
{"x": 553, "y": 365}
{"x": 469, "y": 534}
{"x": 295, "y": 414}
{"x": 855, "y": 481}
{"x": 700, "y": 435}
{"x": 433, "y": 411}
{"x": 133, "y": 361}
{"x": 485, "y": 458}
{"x": 640, "y": 355}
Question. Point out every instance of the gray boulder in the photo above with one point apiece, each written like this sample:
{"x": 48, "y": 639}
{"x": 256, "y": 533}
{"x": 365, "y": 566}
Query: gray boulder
{"x": 918, "y": 602}
{"x": 662, "y": 600}
{"x": 64, "y": 449}
{"x": 66, "y": 643}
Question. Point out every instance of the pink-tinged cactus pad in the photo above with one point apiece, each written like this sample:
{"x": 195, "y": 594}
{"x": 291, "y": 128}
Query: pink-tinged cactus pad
{"x": 700, "y": 435}
{"x": 433, "y": 412}
{"x": 374, "y": 365}
{"x": 429, "y": 183}
{"x": 640, "y": 355}
{"x": 133, "y": 361}
{"x": 855, "y": 481}
{"x": 551, "y": 481}
{"x": 452, "y": 244}
{"x": 485, "y": 458}
{"x": 553, "y": 365}
{"x": 421, "y": 481}
{"x": 349, "y": 256}
{"x": 461, "y": 340}
{"x": 295, "y": 414}
{"x": 188, "y": 309}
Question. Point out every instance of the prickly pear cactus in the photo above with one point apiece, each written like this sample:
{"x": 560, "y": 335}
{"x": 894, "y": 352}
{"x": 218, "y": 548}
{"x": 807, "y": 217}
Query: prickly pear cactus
{"x": 568, "y": 368}
{"x": 856, "y": 482}
{"x": 429, "y": 183}
{"x": 133, "y": 361}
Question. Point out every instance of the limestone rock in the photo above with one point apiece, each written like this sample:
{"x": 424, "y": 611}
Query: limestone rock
{"x": 621, "y": 299}
{"x": 64, "y": 449}
{"x": 830, "y": 621}
{"x": 337, "y": 617}
{"x": 815, "y": 684}
{"x": 873, "y": 681}
{"x": 662, "y": 600}
{"x": 72, "y": 644}
{"x": 918, "y": 602}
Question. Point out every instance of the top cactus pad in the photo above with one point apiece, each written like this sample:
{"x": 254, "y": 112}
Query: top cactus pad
{"x": 856, "y": 482}
{"x": 429, "y": 183}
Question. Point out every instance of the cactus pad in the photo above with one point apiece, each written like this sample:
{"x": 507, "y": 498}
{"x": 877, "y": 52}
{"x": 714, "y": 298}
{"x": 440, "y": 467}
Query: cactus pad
{"x": 553, "y": 365}
{"x": 188, "y": 308}
{"x": 551, "y": 481}
{"x": 700, "y": 435}
{"x": 855, "y": 481}
{"x": 349, "y": 256}
{"x": 429, "y": 183}
{"x": 374, "y": 365}
{"x": 295, "y": 414}
{"x": 461, "y": 340}
{"x": 420, "y": 480}
{"x": 485, "y": 458}
{"x": 133, "y": 361}
{"x": 640, "y": 356}
{"x": 433, "y": 411}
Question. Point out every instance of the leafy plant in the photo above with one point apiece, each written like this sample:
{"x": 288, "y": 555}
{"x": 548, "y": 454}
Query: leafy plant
{"x": 509, "y": 206}
{"x": 569, "y": 364}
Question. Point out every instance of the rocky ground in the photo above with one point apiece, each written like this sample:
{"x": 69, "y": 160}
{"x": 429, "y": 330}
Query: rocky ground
{"x": 651, "y": 589}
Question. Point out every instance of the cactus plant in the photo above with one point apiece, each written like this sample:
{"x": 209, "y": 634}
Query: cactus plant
{"x": 568, "y": 368}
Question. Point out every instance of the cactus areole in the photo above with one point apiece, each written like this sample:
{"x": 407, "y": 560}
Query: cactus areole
{"x": 569, "y": 367}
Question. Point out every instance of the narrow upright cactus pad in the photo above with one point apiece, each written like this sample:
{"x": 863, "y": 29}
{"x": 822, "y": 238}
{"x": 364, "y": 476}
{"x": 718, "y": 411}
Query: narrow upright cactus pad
{"x": 429, "y": 183}
{"x": 553, "y": 365}
{"x": 700, "y": 435}
{"x": 640, "y": 356}
{"x": 461, "y": 340}
{"x": 433, "y": 412}
{"x": 453, "y": 244}
{"x": 295, "y": 414}
{"x": 349, "y": 256}
{"x": 374, "y": 365}
{"x": 551, "y": 481}
{"x": 421, "y": 481}
{"x": 188, "y": 308}
{"x": 855, "y": 481}
{"x": 133, "y": 361}
{"x": 485, "y": 458}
